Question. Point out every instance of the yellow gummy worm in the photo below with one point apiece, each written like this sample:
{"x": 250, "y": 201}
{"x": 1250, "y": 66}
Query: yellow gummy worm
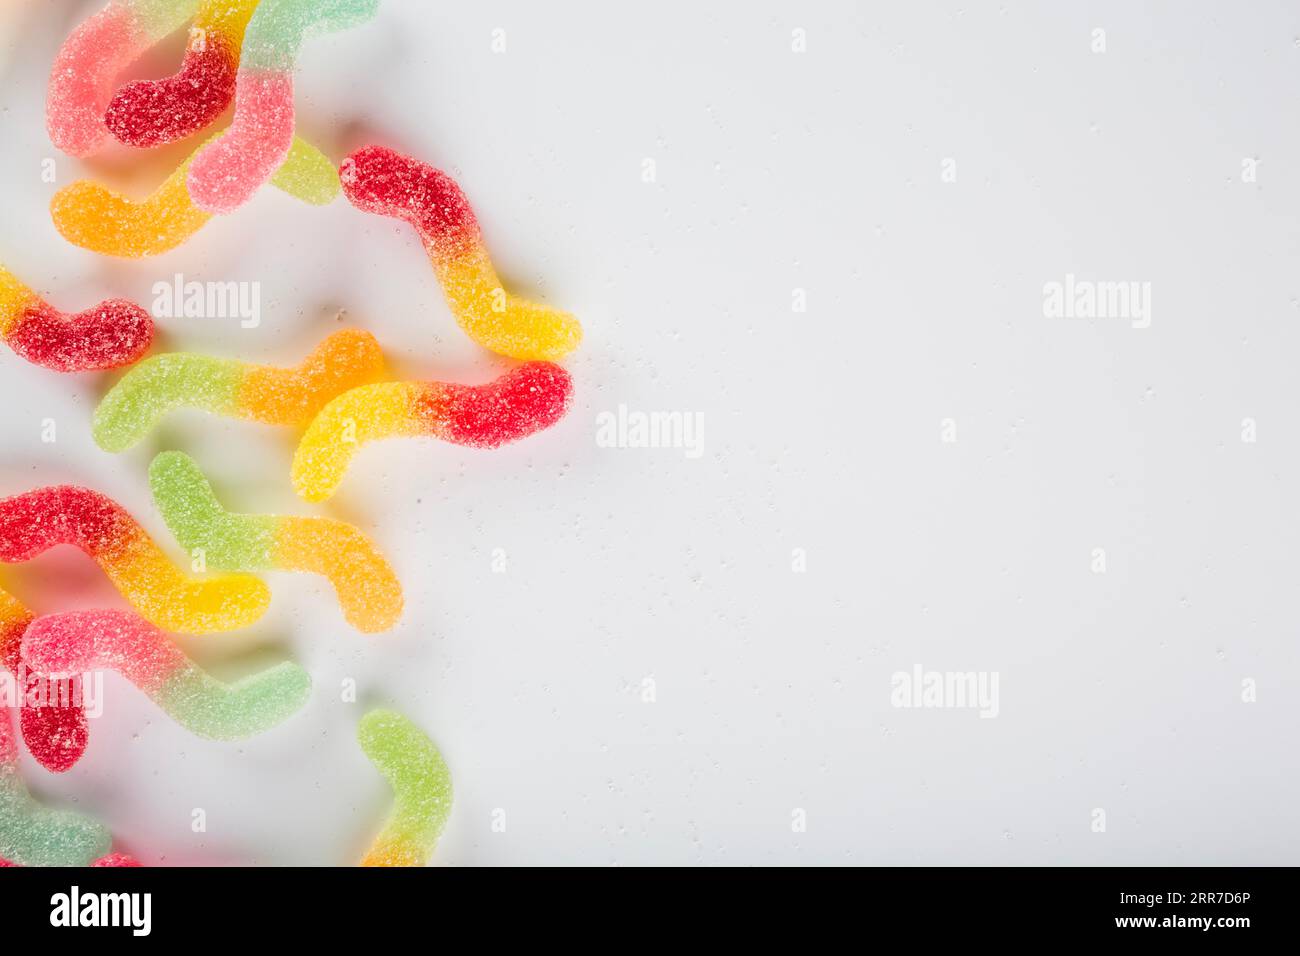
{"x": 94, "y": 217}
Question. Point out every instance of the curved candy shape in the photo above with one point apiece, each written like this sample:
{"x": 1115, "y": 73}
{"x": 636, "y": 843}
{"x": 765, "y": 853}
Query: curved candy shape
{"x": 367, "y": 588}
{"x": 260, "y": 393}
{"x": 96, "y": 218}
{"x": 523, "y": 401}
{"x": 421, "y": 785}
{"x": 380, "y": 180}
{"x": 90, "y": 60}
{"x": 150, "y": 113}
{"x": 34, "y": 835}
{"x": 113, "y": 334}
{"x": 32, "y": 523}
{"x": 229, "y": 170}
{"x": 56, "y": 734}
{"x": 119, "y": 640}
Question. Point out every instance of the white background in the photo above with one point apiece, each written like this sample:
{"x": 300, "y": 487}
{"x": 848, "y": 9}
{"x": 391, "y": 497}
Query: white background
{"x": 776, "y": 171}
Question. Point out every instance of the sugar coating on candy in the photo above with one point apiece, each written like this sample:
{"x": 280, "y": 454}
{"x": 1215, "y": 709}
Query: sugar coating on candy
{"x": 34, "y": 835}
{"x": 117, "y": 860}
{"x": 32, "y": 523}
{"x": 226, "y": 174}
{"x": 97, "y": 218}
{"x": 94, "y": 217}
{"x": 279, "y": 28}
{"x": 230, "y": 169}
{"x": 383, "y": 181}
{"x": 525, "y": 400}
{"x": 113, "y": 334}
{"x": 150, "y": 113}
{"x": 56, "y": 732}
{"x": 91, "y": 59}
{"x": 83, "y": 641}
{"x": 261, "y": 393}
{"x": 421, "y": 784}
{"x": 14, "y": 619}
{"x": 149, "y": 391}
{"x": 367, "y": 588}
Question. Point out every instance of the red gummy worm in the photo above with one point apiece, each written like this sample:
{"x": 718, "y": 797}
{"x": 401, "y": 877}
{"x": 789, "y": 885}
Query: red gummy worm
{"x": 113, "y": 334}
{"x": 32, "y": 523}
{"x": 150, "y": 113}
{"x": 56, "y": 732}
{"x": 525, "y": 400}
{"x": 380, "y": 180}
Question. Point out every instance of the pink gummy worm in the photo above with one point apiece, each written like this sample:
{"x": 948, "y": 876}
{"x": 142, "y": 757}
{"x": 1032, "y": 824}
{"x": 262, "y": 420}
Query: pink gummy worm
{"x": 226, "y": 172}
{"x": 33, "y": 522}
{"x": 81, "y": 82}
{"x": 81, "y": 641}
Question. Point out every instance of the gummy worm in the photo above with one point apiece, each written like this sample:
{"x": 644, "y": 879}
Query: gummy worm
{"x": 90, "y": 60}
{"x": 421, "y": 786}
{"x": 114, "y": 333}
{"x": 155, "y": 112}
{"x": 382, "y": 181}
{"x": 525, "y": 400}
{"x": 367, "y": 588}
{"x": 97, "y": 218}
{"x": 260, "y": 393}
{"x": 82, "y": 641}
{"x": 32, "y": 523}
{"x": 34, "y": 835}
{"x": 56, "y": 734}
{"x": 228, "y": 171}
